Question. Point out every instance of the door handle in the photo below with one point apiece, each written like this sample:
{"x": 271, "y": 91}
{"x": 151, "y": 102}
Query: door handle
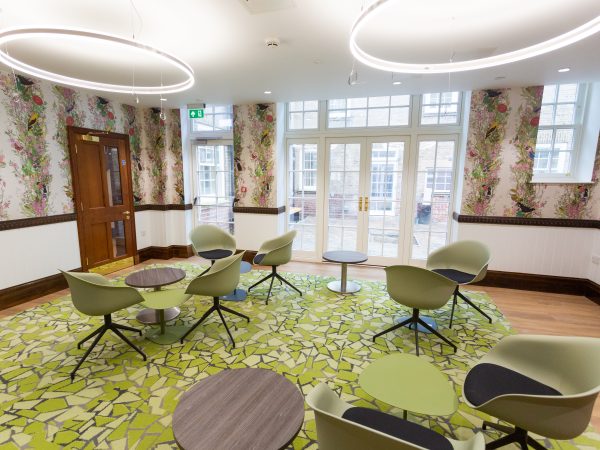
{"x": 360, "y": 203}
{"x": 366, "y": 203}
{"x": 127, "y": 215}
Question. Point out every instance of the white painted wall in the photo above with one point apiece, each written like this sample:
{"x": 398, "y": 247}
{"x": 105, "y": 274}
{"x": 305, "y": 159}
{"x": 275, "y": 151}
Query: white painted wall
{"x": 251, "y": 230}
{"x": 162, "y": 228}
{"x": 564, "y": 252}
{"x": 37, "y": 252}
{"x": 593, "y": 272}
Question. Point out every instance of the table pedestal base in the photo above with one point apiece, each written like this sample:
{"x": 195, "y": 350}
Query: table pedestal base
{"x": 150, "y": 316}
{"x": 428, "y": 320}
{"x": 238, "y": 295}
{"x": 170, "y": 335}
{"x": 336, "y": 286}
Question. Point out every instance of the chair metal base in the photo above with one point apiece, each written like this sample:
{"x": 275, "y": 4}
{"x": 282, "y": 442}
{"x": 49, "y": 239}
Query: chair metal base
{"x": 274, "y": 275}
{"x": 457, "y": 293}
{"x": 430, "y": 320}
{"x": 414, "y": 322}
{"x": 99, "y": 332}
{"x": 217, "y": 307}
{"x": 516, "y": 434}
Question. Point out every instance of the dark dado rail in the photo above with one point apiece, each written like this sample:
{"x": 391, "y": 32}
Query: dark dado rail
{"x": 258, "y": 210}
{"x": 527, "y": 221}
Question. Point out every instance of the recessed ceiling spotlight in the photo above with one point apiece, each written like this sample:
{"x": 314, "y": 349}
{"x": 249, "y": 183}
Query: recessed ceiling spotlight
{"x": 163, "y": 99}
{"x": 396, "y": 83}
{"x": 564, "y": 69}
{"x": 268, "y": 92}
{"x": 501, "y": 77}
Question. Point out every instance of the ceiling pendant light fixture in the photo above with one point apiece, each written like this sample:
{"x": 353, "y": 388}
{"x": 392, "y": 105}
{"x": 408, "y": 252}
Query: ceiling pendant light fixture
{"x": 378, "y": 41}
{"x": 85, "y": 41}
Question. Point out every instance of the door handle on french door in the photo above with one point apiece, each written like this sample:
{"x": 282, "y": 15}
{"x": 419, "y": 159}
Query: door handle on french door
{"x": 360, "y": 203}
{"x": 366, "y": 204}
{"x": 127, "y": 215}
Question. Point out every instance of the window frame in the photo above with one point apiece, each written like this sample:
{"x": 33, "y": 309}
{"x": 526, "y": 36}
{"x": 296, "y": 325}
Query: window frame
{"x": 367, "y": 108}
{"x": 459, "y": 114}
{"x": 212, "y": 133}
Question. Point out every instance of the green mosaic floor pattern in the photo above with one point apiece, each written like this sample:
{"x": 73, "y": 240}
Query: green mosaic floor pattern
{"x": 119, "y": 401}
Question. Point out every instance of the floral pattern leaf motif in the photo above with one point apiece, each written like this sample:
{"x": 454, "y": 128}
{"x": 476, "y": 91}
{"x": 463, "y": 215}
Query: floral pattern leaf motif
{"x": 526, "y": 196}
{"x": 102, "y": 113}
{"x": 176, "y": 150}
{"x": 575, "y": 200}
{"x": 134, "y": 130}
{"x": 155, "y": 148}
{"x": 67, "y": 113}
{"x": 490, "y": 110}
{"x": 26, "y": 111}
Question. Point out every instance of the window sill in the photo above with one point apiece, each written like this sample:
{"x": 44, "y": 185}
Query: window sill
{"x": 560, "y": 181}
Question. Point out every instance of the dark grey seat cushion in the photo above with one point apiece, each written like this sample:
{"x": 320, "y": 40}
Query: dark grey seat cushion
{"x": 397, "y": 427}
{"x": 258, "y": 258}
{"x": 487, "y": 381}
{"x": 215, "y": 254}
{"x": 456, "y": 275}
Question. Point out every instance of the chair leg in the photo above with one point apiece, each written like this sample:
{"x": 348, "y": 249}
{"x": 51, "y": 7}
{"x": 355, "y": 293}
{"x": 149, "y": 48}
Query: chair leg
{"x": 125, "y": 327}
{"x": 89, "y": 336}
{"x": 453, "y": 306}
{"x": 280, "y": 278}
{"x": 204, "y": 316}
{"x": 133, "y": 346}
{"x": 226, "y": 327}
{"x": 270, "y": 287}
{"x": 231, "y": 311}
{"x": 466, "y": 299}
{"x": 514, "y": 435}
{"x": 535, "y": 444}
{"x": 260, "y": 281}
{"x": 415, "y": 322}
{"x": 395, "y": 327}
{"x": 89, "y": 350}
{"x": 443, "y": 338}
{"x": 497, "y": 426}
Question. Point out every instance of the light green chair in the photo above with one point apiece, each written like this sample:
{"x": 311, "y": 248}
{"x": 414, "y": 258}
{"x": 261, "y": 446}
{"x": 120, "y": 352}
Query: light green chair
{"x": 465, "y": 262}
{"x": 546, "y": 385}
{"x": 275, "y": 252}
{"x": 341, "y": 426}
{"x": 418, "y": 289}
{"x": 212, "y": 243}
{"x": 221, "y": 279}
{"x": 93, "y": 295}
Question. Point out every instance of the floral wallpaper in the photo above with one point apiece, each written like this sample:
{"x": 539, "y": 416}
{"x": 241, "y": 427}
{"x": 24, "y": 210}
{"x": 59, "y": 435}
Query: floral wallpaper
{"x": 254, "y": 151}
{"x": 503, "y": 127}
{"x": 35, "y": 178}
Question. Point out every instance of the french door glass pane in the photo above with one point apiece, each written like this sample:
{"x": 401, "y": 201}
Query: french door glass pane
{"x": 302, "y": 195}
{"x": 344, "y": 175}
{"x": 119, "y": 245}
{"x": 113, "y": 176}
{"x": 433, "y": 193}
{"x": 384, "y": 198}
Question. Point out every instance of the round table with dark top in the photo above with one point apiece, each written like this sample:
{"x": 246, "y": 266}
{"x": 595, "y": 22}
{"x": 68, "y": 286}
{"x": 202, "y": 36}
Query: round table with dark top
{"x": 239, "y": 409}
{"x": 344, "y": 257}
{"x": 155, "y": 278}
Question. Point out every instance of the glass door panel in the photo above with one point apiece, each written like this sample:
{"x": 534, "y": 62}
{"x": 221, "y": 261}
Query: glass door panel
{"x": 343, "y": 196}
{"x": 384, "y": 203}
{"x": 302, "y": 195}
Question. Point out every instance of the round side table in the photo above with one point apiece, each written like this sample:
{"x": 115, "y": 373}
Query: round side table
{"x": 344, "y": 257}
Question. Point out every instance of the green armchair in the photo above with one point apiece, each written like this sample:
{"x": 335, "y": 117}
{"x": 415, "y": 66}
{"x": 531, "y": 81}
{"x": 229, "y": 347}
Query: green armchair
{"x": 212, "y": 243}
{"x": 221, "y": 279}
{"x": 341, "y": 426}
{"x": 275, "y": 252}
{"x": 418, "y": 289}
{"x": 464, "y": 262}
{"x": 546, "y": 385}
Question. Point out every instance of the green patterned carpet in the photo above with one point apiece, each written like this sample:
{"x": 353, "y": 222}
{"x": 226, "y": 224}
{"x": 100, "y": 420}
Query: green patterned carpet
{"x": 119, "y": 401}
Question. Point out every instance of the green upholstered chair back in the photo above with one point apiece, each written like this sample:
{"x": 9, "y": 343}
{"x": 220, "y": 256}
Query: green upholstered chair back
{"x": 335, "y": 433}
{"x": 94, "y": 295}
{"x": 418, "y": 288}
{"x": 571, "y": 365}
{"x": 210, "y": 237}
{"x": 277, "y": 251}
{"x": 467, "y": 256}
{"x": 221, "y": 279}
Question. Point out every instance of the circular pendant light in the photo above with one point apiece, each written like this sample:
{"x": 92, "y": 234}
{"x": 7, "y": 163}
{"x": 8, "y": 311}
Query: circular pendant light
{"x": 85, "y": 42}
{"x": 382, "y": 28}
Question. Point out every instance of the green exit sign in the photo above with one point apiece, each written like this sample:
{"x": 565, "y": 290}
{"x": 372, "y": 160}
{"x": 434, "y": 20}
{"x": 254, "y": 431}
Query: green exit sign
{"x": 196, "y": 113}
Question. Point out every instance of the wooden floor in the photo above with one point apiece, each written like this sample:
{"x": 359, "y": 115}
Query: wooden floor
{"x": 528, "y": 312}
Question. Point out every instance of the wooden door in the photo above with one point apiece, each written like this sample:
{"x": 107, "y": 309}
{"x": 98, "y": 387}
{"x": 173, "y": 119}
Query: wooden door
{"x": 101, "y": 170}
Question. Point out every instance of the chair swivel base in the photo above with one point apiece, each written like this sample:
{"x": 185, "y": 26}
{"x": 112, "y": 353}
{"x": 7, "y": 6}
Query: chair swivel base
{"x": 415, "y": 322}
{"x": 274, "y": 275}
{"x": 99, "y": 332}
{"x": 218, "y": 308}
{"x": 429, "y": 320}
{"x": 518, "y": 435}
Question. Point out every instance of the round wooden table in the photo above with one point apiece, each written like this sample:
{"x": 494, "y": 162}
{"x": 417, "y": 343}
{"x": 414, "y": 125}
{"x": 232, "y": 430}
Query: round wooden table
{"x": 239, "y": 409}
{"x": 344, "y": 257}
{"x": 155, "y": 278}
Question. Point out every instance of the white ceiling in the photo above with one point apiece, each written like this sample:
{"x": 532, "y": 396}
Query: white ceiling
{"x": 224, "y": 42}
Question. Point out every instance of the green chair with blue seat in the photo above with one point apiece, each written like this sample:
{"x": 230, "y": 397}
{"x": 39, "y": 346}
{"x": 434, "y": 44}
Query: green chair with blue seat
{"x": 464, "y": 262}
{"x": 274, "y": 253}
{"x": 418, "y": 289}
{"x": 342, "y": 426}
{"x": 94, "y": 295}
{"x": 212, "y": 243}
{"x": 220, "y": 279}
{"x": 545, "y": 385}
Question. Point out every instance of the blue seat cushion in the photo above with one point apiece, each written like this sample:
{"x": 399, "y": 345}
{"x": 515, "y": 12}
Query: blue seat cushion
{"x": 397, "y": 427}
{"x": 215, "y": 254}
{"x": 456, "y": 275}
{"x": 487, "y": 381}
{"x": 258, "y": 258}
